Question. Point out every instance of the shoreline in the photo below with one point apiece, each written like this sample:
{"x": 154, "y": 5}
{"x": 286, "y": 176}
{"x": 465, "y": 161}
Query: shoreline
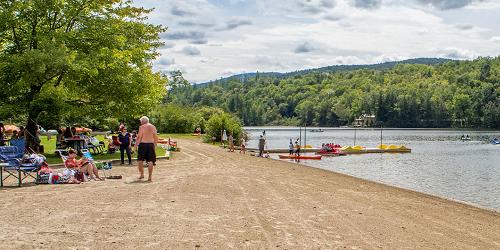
{"x": 206, "y": 197}
{"x": 389, "y": 185}
{"x": 369, "y": 128}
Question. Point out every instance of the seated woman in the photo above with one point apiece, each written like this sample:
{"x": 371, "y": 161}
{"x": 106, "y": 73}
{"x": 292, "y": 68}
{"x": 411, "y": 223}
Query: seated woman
{"x": 113, "y": 144}
{"x": 82, "y": 165}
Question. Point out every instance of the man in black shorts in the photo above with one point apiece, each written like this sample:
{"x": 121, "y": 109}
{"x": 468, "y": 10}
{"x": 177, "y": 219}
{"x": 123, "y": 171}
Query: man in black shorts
{"x": 146, "y": 141}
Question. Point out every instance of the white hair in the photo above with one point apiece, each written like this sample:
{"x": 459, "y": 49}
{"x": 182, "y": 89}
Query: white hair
{"x": 144, "y": 120}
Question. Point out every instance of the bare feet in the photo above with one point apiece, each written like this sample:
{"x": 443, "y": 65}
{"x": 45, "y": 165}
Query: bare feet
{"x": 140, "y": 177}
{"x": 150, "y": 180}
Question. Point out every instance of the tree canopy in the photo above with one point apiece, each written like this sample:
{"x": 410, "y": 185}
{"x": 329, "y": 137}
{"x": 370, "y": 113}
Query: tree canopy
{"x": 74, "y": 61}
{"x": 452, "y": 94}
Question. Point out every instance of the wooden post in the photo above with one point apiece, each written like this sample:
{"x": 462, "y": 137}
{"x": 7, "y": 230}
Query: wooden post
{"x": 354, "y": 136}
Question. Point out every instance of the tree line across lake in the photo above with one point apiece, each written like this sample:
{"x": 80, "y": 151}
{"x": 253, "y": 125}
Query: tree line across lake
{"x": 451, "y": 94}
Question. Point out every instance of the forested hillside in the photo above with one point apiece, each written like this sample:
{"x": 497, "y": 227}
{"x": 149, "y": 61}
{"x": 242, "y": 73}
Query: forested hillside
{"x": 452, "y": 94}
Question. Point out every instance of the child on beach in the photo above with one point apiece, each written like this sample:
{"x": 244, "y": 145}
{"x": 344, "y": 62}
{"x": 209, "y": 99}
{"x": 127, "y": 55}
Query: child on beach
{"x": 290, "y": 148}
{"x": 297, "y": 148}
{"x": 242, "y": 145}
{"x": 231, "y": 143}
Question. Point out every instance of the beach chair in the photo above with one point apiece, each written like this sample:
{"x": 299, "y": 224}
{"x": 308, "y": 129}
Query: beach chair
{"x": 94, "y": 145}
{"x": 101, "y": 165}
{"x": 13, "y": 164}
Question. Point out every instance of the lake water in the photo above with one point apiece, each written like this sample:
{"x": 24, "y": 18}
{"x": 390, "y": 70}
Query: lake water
{"x": 439, "y": 164}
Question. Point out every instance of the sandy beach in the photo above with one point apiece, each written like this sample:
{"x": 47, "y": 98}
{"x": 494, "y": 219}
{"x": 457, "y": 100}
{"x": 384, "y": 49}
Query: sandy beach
{"x": 207, "y": 198}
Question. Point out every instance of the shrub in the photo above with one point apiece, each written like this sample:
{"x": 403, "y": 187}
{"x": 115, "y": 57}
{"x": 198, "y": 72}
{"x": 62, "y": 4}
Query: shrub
{"x": 224, "y": 121}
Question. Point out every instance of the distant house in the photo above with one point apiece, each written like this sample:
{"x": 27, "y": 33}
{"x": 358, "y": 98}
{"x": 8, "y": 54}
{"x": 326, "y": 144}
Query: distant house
{"x": 364, "y": 121}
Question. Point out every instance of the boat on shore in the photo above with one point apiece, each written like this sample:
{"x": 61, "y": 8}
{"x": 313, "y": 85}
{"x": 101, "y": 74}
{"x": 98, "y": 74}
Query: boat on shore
{"x": 301, "y": 157}
{"x": 495, "y": 141}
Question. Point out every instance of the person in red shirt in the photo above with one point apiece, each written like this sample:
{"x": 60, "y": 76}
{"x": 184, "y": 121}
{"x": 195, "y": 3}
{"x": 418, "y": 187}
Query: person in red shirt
{"x": 82, "y": 165}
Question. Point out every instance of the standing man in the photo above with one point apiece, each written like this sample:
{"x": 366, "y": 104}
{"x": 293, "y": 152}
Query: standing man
{"x": 146, "y": 145}
{"x": 262, "y": 143}
{"x": 297, "y": 148}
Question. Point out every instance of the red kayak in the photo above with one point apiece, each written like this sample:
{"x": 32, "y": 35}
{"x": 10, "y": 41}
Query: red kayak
{"x": 302, "y": 157}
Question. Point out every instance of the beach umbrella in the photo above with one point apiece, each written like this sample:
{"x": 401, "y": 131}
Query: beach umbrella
{"x": 10, "y": 128}
{"x": 83, "y": 130}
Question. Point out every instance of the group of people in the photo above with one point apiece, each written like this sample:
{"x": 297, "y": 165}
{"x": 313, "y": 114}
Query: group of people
{"x": 228, "y": 137}
{"x": 33, "y": 140}
{"x": 145, "y": 146}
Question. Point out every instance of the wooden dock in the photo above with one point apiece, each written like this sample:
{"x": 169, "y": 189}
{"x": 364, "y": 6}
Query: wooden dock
{"x": 285, "y": 150}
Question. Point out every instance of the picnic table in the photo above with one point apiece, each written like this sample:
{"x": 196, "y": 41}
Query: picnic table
{"x": 76, "y": 143}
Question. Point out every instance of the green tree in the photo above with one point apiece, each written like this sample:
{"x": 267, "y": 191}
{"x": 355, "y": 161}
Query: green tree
{"x": 96, "y": 55}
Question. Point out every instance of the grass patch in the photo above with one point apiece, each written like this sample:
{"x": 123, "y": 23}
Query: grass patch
{"x": 50, "y": 147}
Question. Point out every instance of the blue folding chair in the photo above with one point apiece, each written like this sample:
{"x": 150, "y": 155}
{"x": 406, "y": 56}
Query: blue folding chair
{"x": 13, "y": 164}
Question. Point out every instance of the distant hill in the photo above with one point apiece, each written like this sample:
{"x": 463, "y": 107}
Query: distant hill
{"x": 334, "y": 68}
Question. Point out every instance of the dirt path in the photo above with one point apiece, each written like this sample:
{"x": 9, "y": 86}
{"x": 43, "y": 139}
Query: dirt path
{"x": 208, "y": 198}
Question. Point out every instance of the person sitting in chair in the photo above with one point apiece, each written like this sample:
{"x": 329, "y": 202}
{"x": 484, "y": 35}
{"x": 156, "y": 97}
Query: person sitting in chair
{"x": 82, "y": 165}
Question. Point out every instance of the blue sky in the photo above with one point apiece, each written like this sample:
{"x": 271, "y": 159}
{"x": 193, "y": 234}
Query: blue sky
{"x": 209, "y": 39}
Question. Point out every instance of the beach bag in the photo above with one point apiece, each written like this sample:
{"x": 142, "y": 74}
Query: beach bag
{"x": 79, "y": 176}
{"x": 43, "y": 178}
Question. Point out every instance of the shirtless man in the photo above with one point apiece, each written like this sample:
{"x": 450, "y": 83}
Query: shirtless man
{"x": 147, "y": 140}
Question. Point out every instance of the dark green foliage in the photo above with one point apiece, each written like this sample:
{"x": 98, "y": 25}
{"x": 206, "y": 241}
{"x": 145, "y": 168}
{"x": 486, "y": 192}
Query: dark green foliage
{"x": 78, "y": 61}
{"x": 452, "y": 94}
{"x": 223, "y": 121}
{"x": 212, "y": 121}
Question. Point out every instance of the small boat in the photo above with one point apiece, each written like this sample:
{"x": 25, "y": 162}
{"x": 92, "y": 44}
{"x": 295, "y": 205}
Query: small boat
{"x": 301, "y": 157}
{"x": 495, "y": 141}
{"x": 330, "y": 149}
{"x": 465, "y": 138}
{"x": 316, "y": 130}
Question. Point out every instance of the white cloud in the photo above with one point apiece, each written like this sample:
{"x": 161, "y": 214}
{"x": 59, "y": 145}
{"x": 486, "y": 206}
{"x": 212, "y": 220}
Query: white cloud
{"x": 191, "y": 51}
{"x": 495, "y": 39}
{"x": 235, "y": 36}
{"x": 456, "y": 53}
{"x": 305, "y": 47}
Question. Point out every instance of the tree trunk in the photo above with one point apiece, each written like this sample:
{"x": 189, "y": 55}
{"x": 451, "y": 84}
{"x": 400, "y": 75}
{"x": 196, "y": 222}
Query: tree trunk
{"x": 31, "y": 130}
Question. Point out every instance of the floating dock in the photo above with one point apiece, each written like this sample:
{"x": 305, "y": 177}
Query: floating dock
{"x": 285, "y": 150}
{"x": 377, "y": 150}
